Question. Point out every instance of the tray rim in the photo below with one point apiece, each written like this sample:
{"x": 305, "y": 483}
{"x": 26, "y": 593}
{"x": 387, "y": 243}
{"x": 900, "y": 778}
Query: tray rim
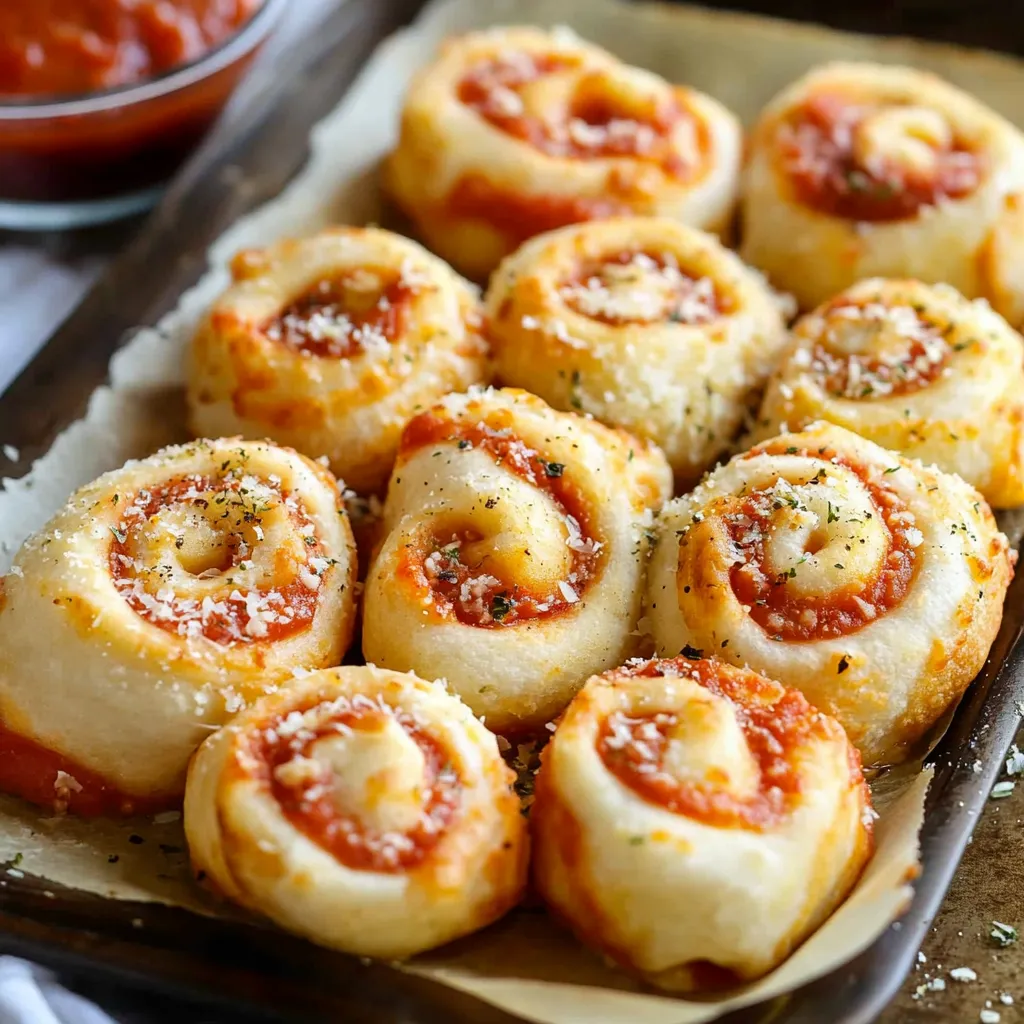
{"x": 982, "y": 729}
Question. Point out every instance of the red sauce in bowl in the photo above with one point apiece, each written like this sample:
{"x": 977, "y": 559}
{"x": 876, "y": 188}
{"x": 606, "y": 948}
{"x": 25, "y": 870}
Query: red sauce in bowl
{"x": 103, "y": 99}
{"x": 67, "y": 47}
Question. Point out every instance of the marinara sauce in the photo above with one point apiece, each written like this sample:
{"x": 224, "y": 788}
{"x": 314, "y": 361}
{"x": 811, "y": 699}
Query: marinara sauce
{"x": 817, "y": 152}
{"x": 48, "y": 779}
{"x": 466, "y": 592}
{"x": 777, "y": 725}
{"x": 96, "y": 138}
{"x": 67, "y": 47}
{"x": 595, "y": 124}
{"x": 308, "y": 802}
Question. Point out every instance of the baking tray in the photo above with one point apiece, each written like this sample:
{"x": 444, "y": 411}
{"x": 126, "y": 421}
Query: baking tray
{"x": 259, "y": 972}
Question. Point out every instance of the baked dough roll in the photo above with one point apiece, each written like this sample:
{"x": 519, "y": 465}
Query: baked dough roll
{"x": 871, "y": 583}
{"x": 330, "y": 343}
{"x": 366, "y": 810}
{"x": 695, "y": 821}
{"x": 159, "y": 601}
{"x": 515, "y": 131}
{"x": 860, "y": 170}
{"x": 512, "y": 559}
{"x": 643, "y": 322}
{"x": 916, "y": 368}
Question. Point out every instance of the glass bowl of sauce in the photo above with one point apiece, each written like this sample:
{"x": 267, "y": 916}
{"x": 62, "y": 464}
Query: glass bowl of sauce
{"x": 102, "y": 100}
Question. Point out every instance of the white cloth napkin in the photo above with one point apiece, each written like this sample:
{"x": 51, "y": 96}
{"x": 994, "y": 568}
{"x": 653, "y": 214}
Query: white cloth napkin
{"x": 31, "y": 995}
{"x": 36, "y": 293}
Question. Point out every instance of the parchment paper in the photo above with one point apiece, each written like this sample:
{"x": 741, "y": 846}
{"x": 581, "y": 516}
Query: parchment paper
{"x": 525, "y": 964}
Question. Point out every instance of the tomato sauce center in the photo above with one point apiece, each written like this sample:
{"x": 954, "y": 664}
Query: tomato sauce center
{"x": 817, "y": 150}
{"x": 307, "y": 799}
{"x": 597, "y": 123}
{"x": 464, "y": 589}
{"x": 633, "y": 747}
{"x": 910, "y": 353}
{"x": 229, "y": 613}
{"x": 788, "y": 617}
{"x": 343, "y": 316}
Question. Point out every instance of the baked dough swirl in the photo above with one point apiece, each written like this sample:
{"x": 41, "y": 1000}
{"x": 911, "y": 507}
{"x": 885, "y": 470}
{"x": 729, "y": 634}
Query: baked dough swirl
{"x": 366, "y": 810}
{"x": 330, "y": 343}
{"x": 160, "y": 600}
{"x": 861, "y": 170}
{"x": 916, "y": 368}
{"x": 512, "y": 562}
{"x": 695, "y": 821}
{"x": 643, "y": 322}
{"x": 515, "y": 131}
{"x": 871, "y": 583}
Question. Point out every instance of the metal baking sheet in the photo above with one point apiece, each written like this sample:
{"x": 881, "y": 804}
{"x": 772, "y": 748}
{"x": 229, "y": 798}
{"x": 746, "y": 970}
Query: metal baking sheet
{"x": 258, "y": 969}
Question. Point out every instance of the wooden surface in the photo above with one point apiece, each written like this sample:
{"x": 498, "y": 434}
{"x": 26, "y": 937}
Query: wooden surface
{"x": 989, "y": 886}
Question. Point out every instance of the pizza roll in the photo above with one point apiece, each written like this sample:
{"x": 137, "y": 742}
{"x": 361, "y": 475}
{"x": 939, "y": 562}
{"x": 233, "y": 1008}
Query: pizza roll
{"x": 915, "y": 368}
{"x": 695, "y": 822}
{"x": 512, "y": 561}
{"x": 515, "y": 131}
{"x": 871, "y": 583}
{"x": 159, "y": 601}
{"x": 860, "y": 170}
{"x": 330, "y": 343}
{"x": 643, "y": 322}
{"x": 366, "y": 810}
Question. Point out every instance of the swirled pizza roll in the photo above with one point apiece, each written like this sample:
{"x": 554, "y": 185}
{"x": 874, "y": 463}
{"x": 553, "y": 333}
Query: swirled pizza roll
{"x": 515, "y": 131}
{"x": 330, "y": 343}
{"x": 643, "y": 322}
{"x": 696, "y": 821}
{"x": 159, "y": 601}
{"x": 871, "y": 583}
{"x": 860, "y": 170}
{"x": 366, "y": 810}
{"x": 916, "y": 368}
{"x": 512, "y": 562}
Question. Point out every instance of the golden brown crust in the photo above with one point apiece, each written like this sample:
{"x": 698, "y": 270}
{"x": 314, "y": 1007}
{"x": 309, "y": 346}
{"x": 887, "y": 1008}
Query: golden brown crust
{"x": 642, "y": 322}
{"x": 516, "y": 131}
{"x": 657, "y": 803}
{"x": 1000, "y": 259}
{"x": 511, "y": 564}
{"x": 916, "y": 368}
{"x": 864, "y": 170}
{"x": 163, "y": 598}
{"x": 329, "y": 344}
{"x": 871, "y": 583}
{"x": 363, "y": 809}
